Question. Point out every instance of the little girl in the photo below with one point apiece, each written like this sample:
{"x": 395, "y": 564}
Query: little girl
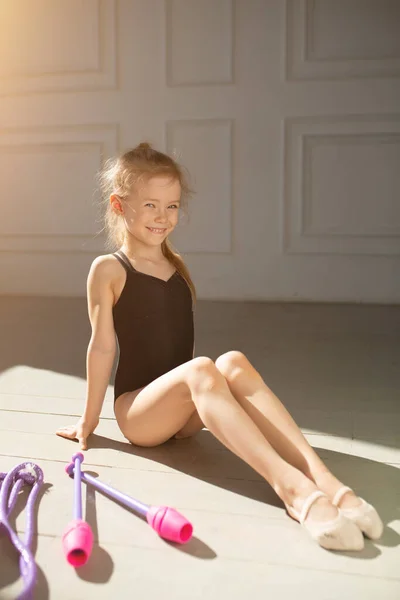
{"x": 143, "y": 296}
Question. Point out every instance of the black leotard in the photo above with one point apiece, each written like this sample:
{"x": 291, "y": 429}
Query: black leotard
{"x": 153, "y": 321}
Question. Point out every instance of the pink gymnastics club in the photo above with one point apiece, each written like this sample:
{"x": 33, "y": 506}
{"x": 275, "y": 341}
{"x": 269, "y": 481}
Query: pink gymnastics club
{"x": 77, "y": 538}
{"x": 166, "y": 521}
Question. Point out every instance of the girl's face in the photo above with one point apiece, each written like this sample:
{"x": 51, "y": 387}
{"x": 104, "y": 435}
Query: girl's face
{"x": 151, "y": 213}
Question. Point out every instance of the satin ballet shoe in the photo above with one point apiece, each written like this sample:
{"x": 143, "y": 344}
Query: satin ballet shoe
{"x": 364, "y": 515}
{"x": 337, "y": 534}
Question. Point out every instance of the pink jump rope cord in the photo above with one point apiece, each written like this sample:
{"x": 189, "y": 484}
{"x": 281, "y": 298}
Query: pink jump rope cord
{"x": 166, "y": 521}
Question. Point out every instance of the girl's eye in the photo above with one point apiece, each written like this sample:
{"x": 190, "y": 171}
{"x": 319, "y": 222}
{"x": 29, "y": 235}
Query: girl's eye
{"x": 149, "y": 204}
{"x": 174, "y": 206}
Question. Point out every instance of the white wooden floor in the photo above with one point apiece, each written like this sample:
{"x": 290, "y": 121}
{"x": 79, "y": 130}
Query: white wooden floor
{"x": 337, "y": 370}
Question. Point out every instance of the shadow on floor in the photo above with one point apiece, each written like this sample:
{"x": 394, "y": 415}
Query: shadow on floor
{"x": 294, "y": 346}
{"x": 194, "y": 547}
{"x": 352, "y": 470}
{"x": 300, "y": 349}
{"x": 189, "y": 457}
{"x": 45, "y": 333}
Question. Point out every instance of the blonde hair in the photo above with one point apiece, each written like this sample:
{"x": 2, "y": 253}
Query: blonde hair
{"x": 120, "y": 175}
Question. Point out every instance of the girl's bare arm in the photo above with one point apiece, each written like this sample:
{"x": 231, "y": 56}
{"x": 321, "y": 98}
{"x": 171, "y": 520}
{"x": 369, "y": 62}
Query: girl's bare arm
{"x": 101, "y": 349}
{"x": 102, "y": 346}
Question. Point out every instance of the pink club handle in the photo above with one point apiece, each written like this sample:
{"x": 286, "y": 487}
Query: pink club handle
{"x": 77, "y": 541}
{"x": 169, "y": 524}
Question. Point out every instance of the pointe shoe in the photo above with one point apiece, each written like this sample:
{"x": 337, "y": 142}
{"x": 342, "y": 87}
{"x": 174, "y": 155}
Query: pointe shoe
{"x": 364, "y": 515}
{"x": 337, "y": 534}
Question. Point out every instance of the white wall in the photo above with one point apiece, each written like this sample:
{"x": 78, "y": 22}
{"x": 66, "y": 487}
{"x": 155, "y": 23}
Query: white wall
{"x": 287, "y": 114}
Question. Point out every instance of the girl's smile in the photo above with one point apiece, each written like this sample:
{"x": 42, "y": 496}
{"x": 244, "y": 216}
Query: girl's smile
{"x": 156, "y": 230}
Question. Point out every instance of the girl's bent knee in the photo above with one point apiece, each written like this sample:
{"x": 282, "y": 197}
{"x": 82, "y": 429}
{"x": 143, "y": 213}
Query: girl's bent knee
{"x": 203, "y": 375}
{"x": 232, "y": 363}
{"x": 201, "y": 363}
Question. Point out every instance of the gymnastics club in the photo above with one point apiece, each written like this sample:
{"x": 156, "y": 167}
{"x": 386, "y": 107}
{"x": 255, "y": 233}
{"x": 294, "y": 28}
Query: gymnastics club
{"x": 77, "y": 538}
{"x": 166, "y": 521}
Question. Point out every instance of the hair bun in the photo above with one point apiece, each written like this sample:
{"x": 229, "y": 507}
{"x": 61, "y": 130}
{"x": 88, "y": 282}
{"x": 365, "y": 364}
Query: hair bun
{"x": 144, "y": 146}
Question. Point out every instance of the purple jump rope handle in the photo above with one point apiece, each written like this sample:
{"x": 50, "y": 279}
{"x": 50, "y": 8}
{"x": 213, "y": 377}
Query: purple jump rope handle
{"x": 78, "y": 536}
{"x": 166, "y": 521}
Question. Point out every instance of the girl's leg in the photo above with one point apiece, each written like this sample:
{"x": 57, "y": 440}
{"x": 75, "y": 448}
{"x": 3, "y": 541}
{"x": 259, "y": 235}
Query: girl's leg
{"x": 274, "y": 421}
{"x": 157, "y": 412}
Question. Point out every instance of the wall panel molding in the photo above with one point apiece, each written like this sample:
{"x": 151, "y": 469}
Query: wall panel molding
{"x": 95, "y": 70}
{"x": 304, "y": 61}
{"x": 330, "y": 152}
{"x": 65, "y": 145}
{"x": 193, "y": 55}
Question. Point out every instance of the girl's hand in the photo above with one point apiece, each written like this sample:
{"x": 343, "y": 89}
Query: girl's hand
{"x": 80, "y": 432}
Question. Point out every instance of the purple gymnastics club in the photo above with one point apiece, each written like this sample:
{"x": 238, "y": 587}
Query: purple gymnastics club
{"x": 10, "y": 485}
{"x": 166, "y": 521}
{"x": 77, "y": 538}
